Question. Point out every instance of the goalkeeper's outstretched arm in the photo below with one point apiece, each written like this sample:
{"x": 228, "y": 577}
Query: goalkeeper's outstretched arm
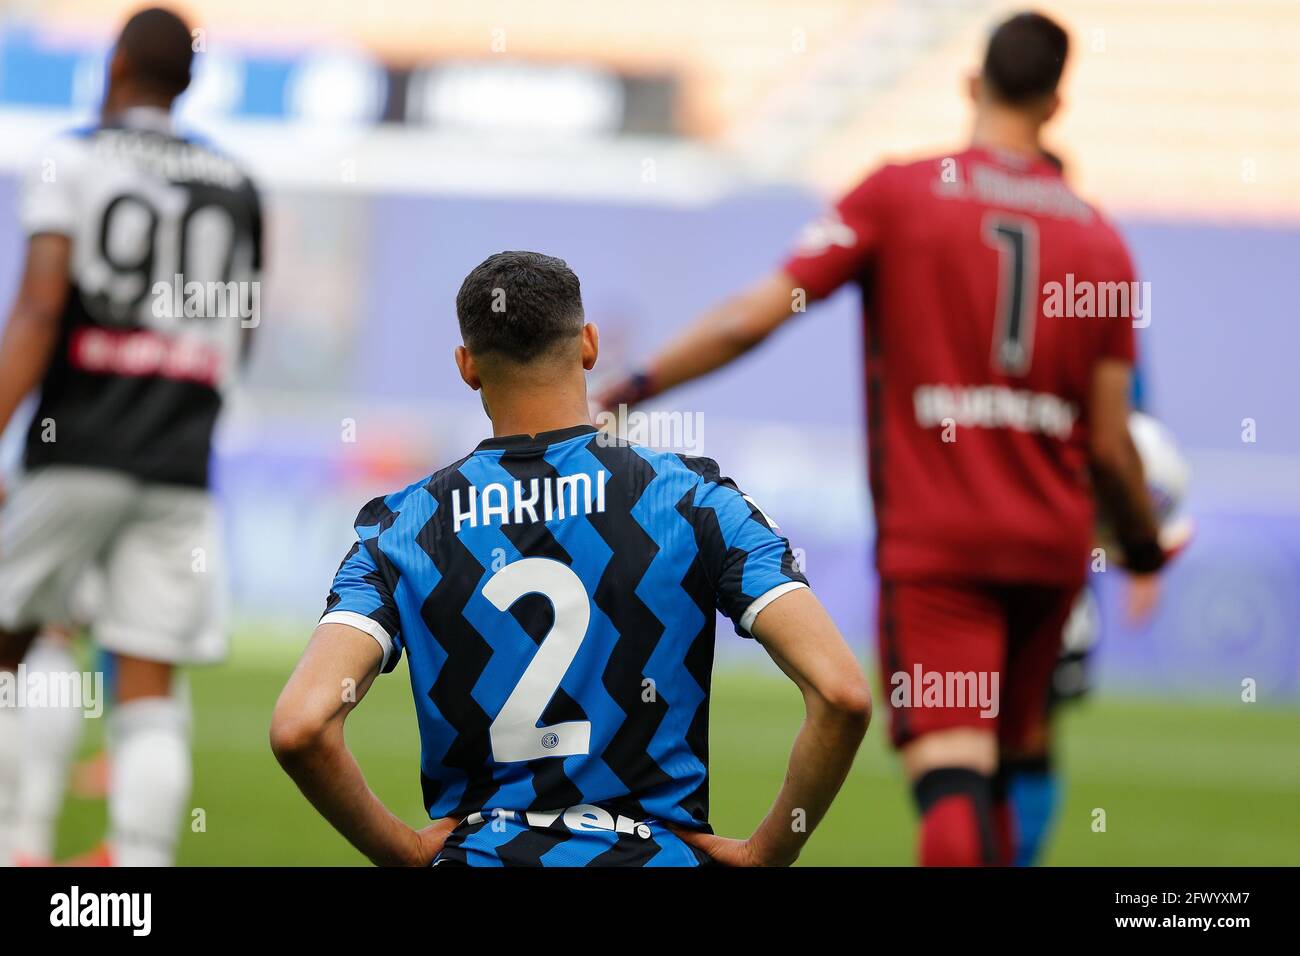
{"x": 719, "y": 336}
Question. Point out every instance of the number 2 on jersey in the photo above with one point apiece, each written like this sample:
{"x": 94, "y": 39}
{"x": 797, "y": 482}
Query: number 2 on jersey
{"x": 514, "y": 734}
{"x": 1016, "y": 240}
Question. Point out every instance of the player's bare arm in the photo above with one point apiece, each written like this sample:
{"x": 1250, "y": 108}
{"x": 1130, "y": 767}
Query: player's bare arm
{"x": 337, "y": 668}
{"x": 805, "y": 643}
{"x": 1117, "y": 468}
{"x": 33, "y": 326}
{"x": 719, "y": 336}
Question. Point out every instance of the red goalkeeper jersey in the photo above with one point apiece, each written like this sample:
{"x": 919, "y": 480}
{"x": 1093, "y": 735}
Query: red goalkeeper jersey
{"x": 989, "y": 292}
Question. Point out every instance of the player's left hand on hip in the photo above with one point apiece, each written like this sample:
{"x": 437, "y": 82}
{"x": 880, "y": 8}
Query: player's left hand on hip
{"x": 724, "y": 851}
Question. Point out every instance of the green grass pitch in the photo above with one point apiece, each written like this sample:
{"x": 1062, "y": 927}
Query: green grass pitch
{"x": 1180, "y": 783}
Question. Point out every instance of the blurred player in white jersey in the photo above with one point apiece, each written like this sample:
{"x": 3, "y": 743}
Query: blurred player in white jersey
{"x": 137, "y": 302}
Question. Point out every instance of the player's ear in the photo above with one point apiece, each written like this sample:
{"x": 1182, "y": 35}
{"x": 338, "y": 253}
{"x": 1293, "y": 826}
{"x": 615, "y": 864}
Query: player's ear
{"x": 1052, "y": 104}
{"x": 590, "y": 346}
{"x": 118, "y": 67}
{"x": 974, "y": 87}
{"x": 468, "y": 370}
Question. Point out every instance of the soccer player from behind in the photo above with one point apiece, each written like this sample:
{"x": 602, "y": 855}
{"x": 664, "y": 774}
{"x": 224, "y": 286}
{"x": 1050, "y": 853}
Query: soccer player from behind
{"x": 554, "y": 593}
{"x": 125, "y": 220}
{"x": 986, "y": 412}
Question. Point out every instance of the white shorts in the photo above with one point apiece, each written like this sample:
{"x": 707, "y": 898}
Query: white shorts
{"x": 154, "y": 549}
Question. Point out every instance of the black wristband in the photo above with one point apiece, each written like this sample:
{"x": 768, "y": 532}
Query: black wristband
{"x": 633, "y": 390}
{"x": 1144, "y": 557}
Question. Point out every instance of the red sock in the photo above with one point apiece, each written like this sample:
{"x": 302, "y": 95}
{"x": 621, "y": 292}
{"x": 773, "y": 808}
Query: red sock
{"x": 950, "y": 834}
{"x": 956, "y": 818}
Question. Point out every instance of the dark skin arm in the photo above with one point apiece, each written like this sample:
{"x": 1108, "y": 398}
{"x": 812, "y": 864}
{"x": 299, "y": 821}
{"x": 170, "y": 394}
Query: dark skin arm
{"x": 33, "y": 327}
{"x": 1117, "y": 468}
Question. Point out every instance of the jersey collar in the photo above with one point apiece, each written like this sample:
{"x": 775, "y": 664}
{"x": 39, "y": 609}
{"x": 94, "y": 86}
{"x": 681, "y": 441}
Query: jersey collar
{"x": 1021, "y": 162}
{"x": 153, "y": 118}
{"x": 541, "y": 438}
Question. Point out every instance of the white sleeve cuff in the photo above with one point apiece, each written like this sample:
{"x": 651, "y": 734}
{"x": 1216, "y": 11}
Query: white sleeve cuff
{"x": 363, "y": 623}
{"x": 762, "y": 601}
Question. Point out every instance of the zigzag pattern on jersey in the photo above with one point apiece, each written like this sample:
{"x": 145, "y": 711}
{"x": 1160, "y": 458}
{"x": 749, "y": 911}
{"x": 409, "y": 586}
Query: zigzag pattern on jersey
{"x": 669, "y": 540}
{"x": 619, "y": 597}
{"x": 710, "y": 536}
{"x": 373, "y": 519}
{"x": 467, "y": 656}
{"x": 632, "y": 572}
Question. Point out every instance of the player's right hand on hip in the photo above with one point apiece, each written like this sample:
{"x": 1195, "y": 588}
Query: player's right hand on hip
{"x": 432, "y": 839}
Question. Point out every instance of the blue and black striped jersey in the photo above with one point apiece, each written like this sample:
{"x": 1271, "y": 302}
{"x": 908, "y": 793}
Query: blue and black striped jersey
{"x": 555, "y": 598}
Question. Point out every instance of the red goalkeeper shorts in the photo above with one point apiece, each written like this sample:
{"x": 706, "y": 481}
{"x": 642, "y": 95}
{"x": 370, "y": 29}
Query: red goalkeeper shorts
{"x": 970, "y": 654}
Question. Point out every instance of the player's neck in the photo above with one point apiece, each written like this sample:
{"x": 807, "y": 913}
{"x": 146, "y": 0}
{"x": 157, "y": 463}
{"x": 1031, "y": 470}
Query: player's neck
{"x": 118, "y": 101}
{"x": 538, "y": 410}
{"x": 1007, "y": 131}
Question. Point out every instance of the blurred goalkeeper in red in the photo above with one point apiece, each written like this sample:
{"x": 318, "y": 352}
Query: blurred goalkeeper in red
{"x": 996, "y": 414}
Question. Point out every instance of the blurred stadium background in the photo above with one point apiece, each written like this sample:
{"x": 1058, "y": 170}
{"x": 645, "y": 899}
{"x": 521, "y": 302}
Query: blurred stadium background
{"x": 671, "y": 152}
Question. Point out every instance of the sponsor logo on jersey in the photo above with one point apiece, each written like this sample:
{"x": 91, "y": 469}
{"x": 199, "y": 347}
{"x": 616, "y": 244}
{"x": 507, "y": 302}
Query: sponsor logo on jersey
{"x": 994, "y": 406}
{"x": 144, "y": 353}
{"x": 584, "y": 818}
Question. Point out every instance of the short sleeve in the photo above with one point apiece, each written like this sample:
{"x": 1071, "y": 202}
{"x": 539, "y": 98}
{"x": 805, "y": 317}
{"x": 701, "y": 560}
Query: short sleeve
{"x": 839, "y": 246}
{"x": 362, "y": 595}
{"x": 748, "y": 561}
{"x": 50, "y": 193}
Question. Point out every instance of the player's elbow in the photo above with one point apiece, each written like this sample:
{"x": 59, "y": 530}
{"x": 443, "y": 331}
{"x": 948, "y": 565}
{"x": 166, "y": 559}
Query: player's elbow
{"x": 296, "y": 734}
{"x": 847, "y": 701}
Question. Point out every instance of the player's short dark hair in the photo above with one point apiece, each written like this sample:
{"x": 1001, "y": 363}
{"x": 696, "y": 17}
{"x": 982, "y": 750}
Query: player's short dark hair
{"x": 157, "y": 44}
{"x": 1025, "y": 57}
{"x": 519, "y": 305}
